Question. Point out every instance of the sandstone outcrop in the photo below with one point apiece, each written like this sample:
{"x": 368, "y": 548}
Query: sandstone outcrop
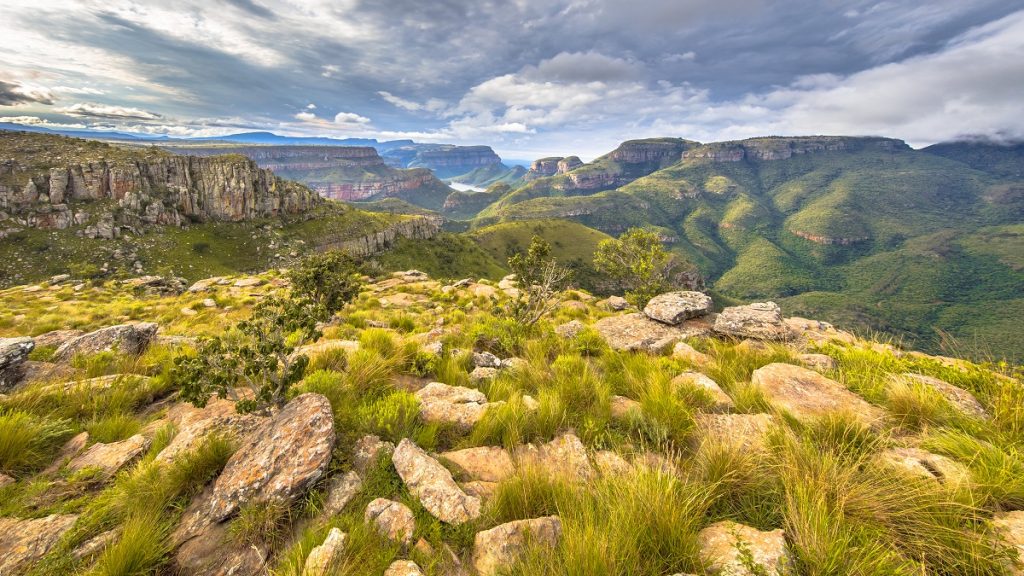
{"x": 958, "y": 397}
{"x": 13, "y": 353}
{"x": 403, "y": 568}
{"x": 123, "y": 338}
{"x": 321, "y": 558}
{"x": 720, "y": 401}
{"x": 413, "y": 227}
{"x": 485, "y": 463}
{"x": 393, "y": 520}
{"x": 638, "y": 332}
{"x": 196, "y": 424}
{"x": 433, "y": 484}
{"x": 783, "y": 148}
{"x": 462, "y": 407}
{"x": 22, "y": 542}
{"x": 741, "y": 431}
{"x": 761, "y": 320}
{"x": 732, "y": 549}
{"x": 808, "y": 395}
{"x": 564, "y": 456}
{"x": 109, "y": 458}
{"x": 674, "y": 307}
{"x": 502, "y": 545}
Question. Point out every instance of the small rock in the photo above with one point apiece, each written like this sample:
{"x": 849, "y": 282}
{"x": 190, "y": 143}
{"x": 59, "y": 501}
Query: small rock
{"x": 502, "y": 545}
{"x": 729, "y": 548}
{"x": 486, "y": 360}
{"x": 515, "y": 364}
{"x": 610, "y": 463}
{"x": 720, "y": 401}
{"x": 819, "y": 362}
{"x": 340, "y": 492}
{"x": 958, "y": 397}
{"x": 621, "y": 407}
{"x": 5, "y": 480}
{"x": 209, "y": 303}
{"x": 367, "y": 451}
{"x": 429, "y": 481}
{"x": 615, "y": 303}
{"x": 690, "y": 354}
{"x": 638, "y": 332}
{"x": 111, "y": 457}
{"x": 393, "y": 520}
{"x": 13, "y": 353}
{"x": 761, "y": 320}
{"x": 1009, "y": 526}
{"x": 186, "y": 311}
{"x": 486, "y": 463}
{"x": 403, "y": 568}
{"x": 926, "y": 465}
{"x": 674, "y": 307}
{"x": 564, "y": 456}
{"x": 743, "y": 431}
{"x": 481, "y": 373}
{"x": 456, "y": 405}
{"x": 570, "y": 329}
{"x": 530, "y": 403}
{"x": 321, "y": 558}
{"x": 248, "y": 282}
{"x": 95, "y": 545}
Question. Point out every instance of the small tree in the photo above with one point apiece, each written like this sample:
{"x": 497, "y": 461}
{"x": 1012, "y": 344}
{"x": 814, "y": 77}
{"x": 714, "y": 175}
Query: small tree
{"x": 638, "y": 263}
{"x": 539, "y": 277}
{"x": 331, "y": 279}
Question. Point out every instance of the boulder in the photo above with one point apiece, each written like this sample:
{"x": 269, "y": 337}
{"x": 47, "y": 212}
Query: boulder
{"x": 732, "y": 549}
{"x": 456, "y": 405}
{"x": 341, "y": 490}
{"x": 818, "y": 332}
{"x": 924, "y": 464}
{"x": 433, "y": 484}
{"x": 609, "y": 463}
{"x": 55, "y": 338}
{"x": 614, "y": 303}
{"x": 570, "y": 329}
{"x": 564, "y": 456}
{"x": 674, "y": 307}
{"x": 761, "y": 321}
{"x": 403, "y": 568}
{"x": 808, "y": 395}
{"x": 622, "y": 407}
{"x": 69, "y": 450}
{"x": 195, "y": 424}
{"x": 720, "y": 401}
{"x": 502, "y": 545}
{"x": 486, "y": 463}
{"x": 283, "y": 457}
{"x": 214, "y": 554}
{"x": 124, "y": 338}
{"x": 13, "y": 353}
{"x": 690, "y": 354}
{"x": 743, "y": 431}
{"x": 391, "y": 519}
{"x": 819, "y": 362}
{"x": 109, "y": 458}
{"x": 481, "y": 373}
{"x": 367, "y": 451}
{"x": 23, "y": 542}
{"x": 320, "y": 559}
{"x": 960, "y": 399}
{"x": 486, "y": 360}
{"x": 638, "y": 332}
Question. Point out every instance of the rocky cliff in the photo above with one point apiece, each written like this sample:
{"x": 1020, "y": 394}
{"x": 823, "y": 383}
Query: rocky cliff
{"x": 446, "y": 161}
{"x": 415, "y": 227}
{"x": 783, "y": 148}
{"x": 53, "y": 182}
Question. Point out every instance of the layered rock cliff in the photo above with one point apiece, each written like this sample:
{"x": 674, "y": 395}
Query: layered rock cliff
{"x": 444, "y": 160}
{"x": 414, "y": 227}
{"x": 53, "y": 182}
{"x": 783, "y": 148}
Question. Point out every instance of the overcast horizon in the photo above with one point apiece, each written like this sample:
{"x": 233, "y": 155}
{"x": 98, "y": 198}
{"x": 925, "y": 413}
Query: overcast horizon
{"x": 528, "y": 78}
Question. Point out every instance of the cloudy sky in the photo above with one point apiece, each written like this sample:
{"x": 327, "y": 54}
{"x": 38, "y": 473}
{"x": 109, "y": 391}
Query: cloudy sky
{"x": 528, "y": 77}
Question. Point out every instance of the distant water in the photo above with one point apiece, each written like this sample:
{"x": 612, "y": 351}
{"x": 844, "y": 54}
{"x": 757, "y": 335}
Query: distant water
{"x": 466, "y": 187}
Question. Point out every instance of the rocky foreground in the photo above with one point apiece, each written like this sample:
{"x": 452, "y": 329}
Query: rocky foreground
{"x": 435, "y": 438}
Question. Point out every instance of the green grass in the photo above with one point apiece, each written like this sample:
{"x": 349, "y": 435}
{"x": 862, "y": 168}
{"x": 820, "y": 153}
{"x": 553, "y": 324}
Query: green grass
{"x": 28, "y": 442}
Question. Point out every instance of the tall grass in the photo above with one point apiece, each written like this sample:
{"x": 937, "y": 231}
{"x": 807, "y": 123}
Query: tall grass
{"x": 29, "y": 442}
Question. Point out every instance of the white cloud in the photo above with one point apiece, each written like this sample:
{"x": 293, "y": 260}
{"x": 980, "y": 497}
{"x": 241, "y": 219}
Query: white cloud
{"x": 305, "y": 116}
{"x": 89, "y": 109}
{"x": 680, "y": 57}
{"x": 310, "y": 106}
{"x": 350, "y": 118}
{"x": 79, "y": 91}
{"x": 329, "y": 70}
{"x": 431, "y": 105}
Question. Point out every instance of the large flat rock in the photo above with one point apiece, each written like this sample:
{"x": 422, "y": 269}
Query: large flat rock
{"x": 807, "y": 395}
{"x": 123, "y": 338}
{"x": 674, "y": 307}
{"x": 23, "y": 542}
{"x": 638, "y": 332}
{"x": 433, "y": 484}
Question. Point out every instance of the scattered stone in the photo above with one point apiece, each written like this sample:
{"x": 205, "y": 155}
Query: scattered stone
{"x": 368, "y": 450}
{"x": 56, "y": 338}
{"x": 125, "y": 338}
{"x": 720, "y": 401}
{"x": 926, "y": 465}
{"x": 818, "y": 332}
{"x": 248, "y": 282}
{"x": 819, "y": 362}
{"x": 456, "y": 405}
{"x": 958, "y": 397}
{"x": 570, "y": 329}
{"x": 808, "y": 395}
{"x": 675, "y": 307}
{"x": 195, "y": 424}
{"x": 614, "y": 303}
{"x": 502, "y": 545}
{"x": 690, "y": 354}
{"x": 22, "y": 542}
{"x": 638, "y": 332}
{"x": 321, "y": 558}
{"x": 340, "y": 492}
{"x": 530, "y": 403}
{"x": 481, "y": 373}
{"x": 60, "y": 278}
{"x": 486, "y": 463}
{"x": 13, "y": 353}
{"x": 483, "y": 291}
{"x": 209, "y": 303}
{"x": 403, "y": 568}
{"x": 564, "y": 456}
{"x": 486, "y": 360}
{"x": 574, "y": 306}
{"x": 71, "y": 448}
{"x": 621, "y": 407}
{"x": 186, "y": 311}
{"x": 5, "y": 480}
{"x": 393, "y": 520}
{"x": 284, "y": 456}
{"x": 733, "y": 549}
{"x": 609, "y": 463}
{"x": 742, "y": 431}
{"x": 311, "y": 350}
{"x": 206, "y": 284}
{"x": 433, "y": 484}
{"x": 109, "y": 458}
{"x": 213, "y": 553}
{"x": 761, "y": 320}
{"x": 515, "y": 364}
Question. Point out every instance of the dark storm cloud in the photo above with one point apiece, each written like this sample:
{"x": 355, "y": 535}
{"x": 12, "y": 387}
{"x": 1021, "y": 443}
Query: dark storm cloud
{"x": 11, "y": 94}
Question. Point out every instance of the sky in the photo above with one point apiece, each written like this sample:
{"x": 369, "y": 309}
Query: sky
{"x": 530, "y": 78}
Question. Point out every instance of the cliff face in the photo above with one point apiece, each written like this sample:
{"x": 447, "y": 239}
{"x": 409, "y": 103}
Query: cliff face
{"x": 551, "y": 166}
{"x": 295, "y": 157}
{"x": 416, "y": 228}
{"x": 125, "y": 189}
{"x": 389, "y": 185}
{"x": 779, "y": 148}
{"x": 447, "y": 161}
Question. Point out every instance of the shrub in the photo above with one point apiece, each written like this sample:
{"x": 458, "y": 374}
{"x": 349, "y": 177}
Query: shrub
{"x": 638, "y": 263}
{"x": 330, "y": 279}
{"x": 539, "y": 277}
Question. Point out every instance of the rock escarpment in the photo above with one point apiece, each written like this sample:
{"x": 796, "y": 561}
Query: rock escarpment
{"x": 447, "y": 161}
{"x": 783, "y": 148}
{"x": 415, "y": 228}
{"x": 52, "y": 182}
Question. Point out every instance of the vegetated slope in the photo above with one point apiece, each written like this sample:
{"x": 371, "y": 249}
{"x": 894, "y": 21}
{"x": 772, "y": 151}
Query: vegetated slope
{"x": 999, "y": 158}
{"x": 822, "y": 454}
{"x": 865, "y": 230}
{"x": 492, "y": 174}
{"x": 96, "y": 210}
